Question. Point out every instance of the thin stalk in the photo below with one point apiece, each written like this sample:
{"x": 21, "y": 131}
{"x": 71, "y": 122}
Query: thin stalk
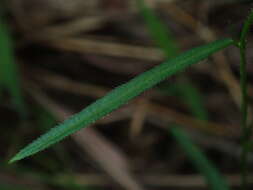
{"x": 246, "y": 130}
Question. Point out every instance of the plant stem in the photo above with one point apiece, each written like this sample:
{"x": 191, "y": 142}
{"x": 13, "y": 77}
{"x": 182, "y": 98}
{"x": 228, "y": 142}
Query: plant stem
{"x": 246, "y": 130}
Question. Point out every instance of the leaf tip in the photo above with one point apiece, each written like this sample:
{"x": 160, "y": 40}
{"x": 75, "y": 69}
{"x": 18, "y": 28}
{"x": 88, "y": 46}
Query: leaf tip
{"x": 16, "y": 158}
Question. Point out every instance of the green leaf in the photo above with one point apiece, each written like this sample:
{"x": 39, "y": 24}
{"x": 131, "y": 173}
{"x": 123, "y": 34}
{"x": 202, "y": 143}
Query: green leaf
{"x": 212, "y": 175}
{"x": 190, "y": 95}
{"x": 9, "y": 76}
{"x": 121, "y": 95}
{"x": 158, "y": 31}
{"x": 45, "y": 119}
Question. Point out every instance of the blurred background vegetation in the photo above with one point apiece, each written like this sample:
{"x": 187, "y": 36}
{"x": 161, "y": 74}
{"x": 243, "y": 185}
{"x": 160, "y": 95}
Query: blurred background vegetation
{"x": 56, "y": 57}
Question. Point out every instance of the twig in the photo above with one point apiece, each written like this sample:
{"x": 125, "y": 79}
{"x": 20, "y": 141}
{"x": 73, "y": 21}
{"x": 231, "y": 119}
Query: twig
{"x": 76, "y": 26}
{"x": 82, "y": 45}
{"x": 138, "y": 118}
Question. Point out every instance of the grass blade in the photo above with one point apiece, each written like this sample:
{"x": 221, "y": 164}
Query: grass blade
{"x": 158, "y": 31}
{"x": 9, "y": 76}
{"x": 121, "y": 95}
{"x": 190, "y": 95}
{"x": 212, "y": 175}
{"x": 246, "y": 129}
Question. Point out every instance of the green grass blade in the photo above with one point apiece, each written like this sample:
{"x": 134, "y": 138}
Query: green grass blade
{"x": 158, "y": 31}
{"x": 9, "y": 76}
{"x": 194, "y": 99}
{"x": 121, "y": 95}
{"x": 207, "y": 169}
{"x": 246, "y": 129}
{"x": 190, "y": 95}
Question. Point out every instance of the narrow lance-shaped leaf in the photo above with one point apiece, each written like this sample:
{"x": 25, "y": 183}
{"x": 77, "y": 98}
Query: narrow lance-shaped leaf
{"x": 9, "y": 76}
{"x": 158, "y": 31}
{"x": 120, "y": 96}
{"x": 207, "y": 169}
